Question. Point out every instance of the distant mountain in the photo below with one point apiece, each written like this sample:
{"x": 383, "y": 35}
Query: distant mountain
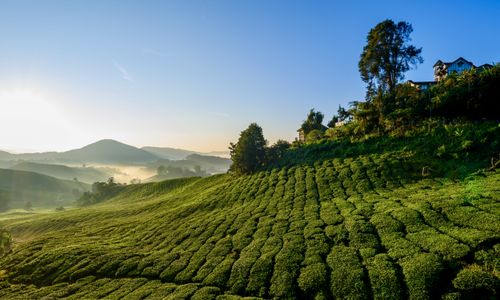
{"x": 103, "y": 151}
{"x": 108, "y": 151}
{"x": 19, "y": 187}
{"x": 87, "y": 174}
{"x": 168, "y": 153}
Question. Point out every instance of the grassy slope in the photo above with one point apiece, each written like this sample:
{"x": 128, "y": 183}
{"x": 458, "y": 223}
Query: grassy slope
{"x": 40, "y": 190}
{"x": 88, "y": 175}
{"x": 360, "y": 226}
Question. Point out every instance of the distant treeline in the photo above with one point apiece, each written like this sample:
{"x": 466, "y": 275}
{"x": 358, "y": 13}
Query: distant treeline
{"x": 100, "y": 191}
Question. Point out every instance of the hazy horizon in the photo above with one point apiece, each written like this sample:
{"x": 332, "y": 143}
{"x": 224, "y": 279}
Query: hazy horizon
{"x": 28, "y": 150}
{"x": 193, "y": 74}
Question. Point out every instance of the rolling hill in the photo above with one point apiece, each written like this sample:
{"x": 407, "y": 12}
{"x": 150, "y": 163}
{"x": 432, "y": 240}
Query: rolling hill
{"x": 344, "y": 220}
{"x": 5, "y": 155}
{"x": 40, "y": 190}
{"x": 86, "y": 175}
{"x": 168, "y": 153}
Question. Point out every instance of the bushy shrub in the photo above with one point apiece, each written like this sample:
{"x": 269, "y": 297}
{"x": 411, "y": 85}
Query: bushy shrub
{"x": 347, "y": 275}
{"x": 477, "y": 283}
{"x": 421, "y": 273}
{"x": 384, "y": 278}
{"x": 312, "y": 278}
{"x": 5, "y": 241}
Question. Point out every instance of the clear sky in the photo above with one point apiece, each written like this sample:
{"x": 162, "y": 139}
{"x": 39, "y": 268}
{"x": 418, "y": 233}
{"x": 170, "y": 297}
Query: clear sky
{"x": 193, "y": 74}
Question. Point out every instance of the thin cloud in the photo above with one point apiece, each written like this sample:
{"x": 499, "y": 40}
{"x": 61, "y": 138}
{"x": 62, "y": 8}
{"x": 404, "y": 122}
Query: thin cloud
{"x": 154, "y": 52}
{"x": 124, "y": 72}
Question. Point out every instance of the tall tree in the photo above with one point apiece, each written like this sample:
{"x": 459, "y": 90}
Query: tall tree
{"x": 249, "y": 153}
{"x": 387, "y": 56}
{"x": 333, "y": 121}
{"x": 314, "y": 121}
{"x": 277, "y": 151}
{"x": 343, "y": 114}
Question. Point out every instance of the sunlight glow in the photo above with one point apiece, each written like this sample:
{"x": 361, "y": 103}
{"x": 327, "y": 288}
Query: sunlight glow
{"x": 28, "y": 117}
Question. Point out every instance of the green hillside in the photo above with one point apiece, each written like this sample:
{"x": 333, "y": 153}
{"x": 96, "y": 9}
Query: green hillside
{"x": 19, "y": 187}
{"x": 87, "y": 174}
{"x": 387, "y": 218}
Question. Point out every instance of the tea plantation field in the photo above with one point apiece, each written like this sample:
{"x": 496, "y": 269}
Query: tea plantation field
{"x": 361, "y": 227}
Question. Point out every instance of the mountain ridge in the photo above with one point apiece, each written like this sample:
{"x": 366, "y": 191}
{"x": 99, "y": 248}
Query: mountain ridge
{"x": 96, "y": 152}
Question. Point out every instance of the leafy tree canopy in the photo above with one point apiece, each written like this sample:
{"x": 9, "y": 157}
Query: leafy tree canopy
{"x": 277, "y": 151}
{"x": 314, "y": 121}
{"x": 387, "y": 55}
{"x": 332, "y": 122}
{"x": 249, "y": 153}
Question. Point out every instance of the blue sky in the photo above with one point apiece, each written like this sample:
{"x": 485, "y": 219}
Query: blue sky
{"x": 193, "y": 74}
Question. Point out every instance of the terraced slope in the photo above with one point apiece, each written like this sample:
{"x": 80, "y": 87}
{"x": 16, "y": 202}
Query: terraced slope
{"x": 363, "y": 227}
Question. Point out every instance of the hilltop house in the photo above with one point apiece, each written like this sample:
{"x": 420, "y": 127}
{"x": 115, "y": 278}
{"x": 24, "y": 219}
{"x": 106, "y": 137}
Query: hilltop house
{"x": 443, "y": 69}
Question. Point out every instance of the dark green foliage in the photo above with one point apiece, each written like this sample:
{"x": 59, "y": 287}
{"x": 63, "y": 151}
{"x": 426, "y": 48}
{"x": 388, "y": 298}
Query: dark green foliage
{"x": 249, "y": 153}
{"x": 206, "y": 293}
{"x": 477, "y": 283}
{"x": 387, "y": 55}
{"x": 5, "y": 241}
{"x": 347, "y": 274}
{"x": 314, "y": 121}
{"x": 384, "y": 278}
{"x": 277, "y": 151}
{"x": 442, "y": 244}
{"x": 472, "y": 94}
{"x": 312, "y": 278}
{"x": 421, "y": 273}
{"x": 286, "y": 267}
{"x": 100, "y": 191}
{"x": 332, "y": 122}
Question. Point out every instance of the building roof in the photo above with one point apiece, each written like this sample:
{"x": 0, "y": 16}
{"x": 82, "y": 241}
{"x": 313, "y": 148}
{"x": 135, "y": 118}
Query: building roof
{"x": 450, "y": 63}
{"x": 437, "y": 63}
{"x": 485, "y": 66}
